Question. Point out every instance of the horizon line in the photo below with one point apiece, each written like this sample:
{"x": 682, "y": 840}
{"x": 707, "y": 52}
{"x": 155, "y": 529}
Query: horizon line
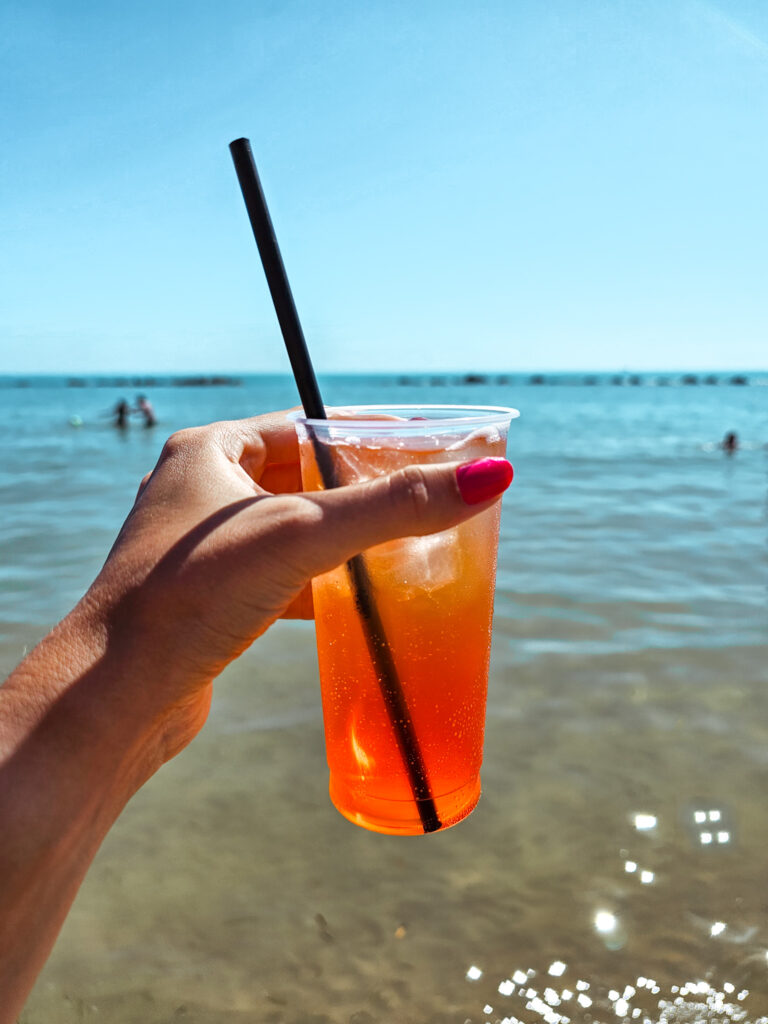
{"x": 407, "y": 372}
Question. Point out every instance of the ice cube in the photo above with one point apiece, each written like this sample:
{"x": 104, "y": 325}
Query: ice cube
{"x": 417, "y": 564}
{"x": 483, "y": 435}
{"x": 350, "y": 462}
{"x": 433, "y": 561}
{"x": 355, "y": 461}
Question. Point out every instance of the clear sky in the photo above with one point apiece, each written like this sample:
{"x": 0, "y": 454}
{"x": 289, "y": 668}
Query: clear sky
{"x": 521, "y": 184}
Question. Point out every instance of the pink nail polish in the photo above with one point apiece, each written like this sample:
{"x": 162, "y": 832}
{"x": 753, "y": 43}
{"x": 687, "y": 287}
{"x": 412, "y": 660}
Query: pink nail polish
{"x": 483, "y": 479}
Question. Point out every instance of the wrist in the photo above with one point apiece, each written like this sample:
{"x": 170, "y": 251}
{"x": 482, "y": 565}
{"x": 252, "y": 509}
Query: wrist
{"x": 157, "y": 690}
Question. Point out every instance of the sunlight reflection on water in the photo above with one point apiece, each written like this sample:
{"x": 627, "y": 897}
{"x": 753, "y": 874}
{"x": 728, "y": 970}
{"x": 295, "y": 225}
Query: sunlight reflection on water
{"x": 530, "y": 997}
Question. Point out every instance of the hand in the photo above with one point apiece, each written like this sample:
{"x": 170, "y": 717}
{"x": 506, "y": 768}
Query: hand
{"x": 219, "y": 544}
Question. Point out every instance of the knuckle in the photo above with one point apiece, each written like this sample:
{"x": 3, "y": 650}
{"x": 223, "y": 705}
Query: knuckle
{"x": 292, "y": 534}
{"x": 173, "y": 444}
{"x": 410, "y": 486}
{"x": 295, "y": 515}
{"x": 143, "y": 484}
{"x": 288, "y": 521}
{"x": 179, "y": 441}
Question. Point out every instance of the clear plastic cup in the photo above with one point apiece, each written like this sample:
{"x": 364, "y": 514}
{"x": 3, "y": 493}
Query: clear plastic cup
{"x": 433, "y": 599}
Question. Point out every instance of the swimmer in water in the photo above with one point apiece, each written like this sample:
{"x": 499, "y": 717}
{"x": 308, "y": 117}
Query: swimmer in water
{"x": 145, "y": 408}
{"x": 730, "y": 443}
{"x": 121, "y": 412}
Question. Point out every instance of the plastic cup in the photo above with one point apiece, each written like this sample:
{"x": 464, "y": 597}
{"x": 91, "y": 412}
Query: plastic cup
{"x": 434, "y": 597}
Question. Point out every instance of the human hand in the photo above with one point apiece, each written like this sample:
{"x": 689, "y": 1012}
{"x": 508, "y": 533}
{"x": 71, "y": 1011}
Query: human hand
{"x": 220, "y": 543}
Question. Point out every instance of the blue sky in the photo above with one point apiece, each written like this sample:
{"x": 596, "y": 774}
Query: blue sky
{"x": 491, "y": 186}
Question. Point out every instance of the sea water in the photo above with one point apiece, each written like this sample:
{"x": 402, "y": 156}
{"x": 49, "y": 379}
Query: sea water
{"x": 616, "y": 859}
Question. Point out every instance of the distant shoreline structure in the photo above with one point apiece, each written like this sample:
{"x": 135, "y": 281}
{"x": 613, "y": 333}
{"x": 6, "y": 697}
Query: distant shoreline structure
{"x": 398, "y": 378}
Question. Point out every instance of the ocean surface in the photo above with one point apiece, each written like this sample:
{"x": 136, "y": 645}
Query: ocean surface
{"x": 615, "y": 868}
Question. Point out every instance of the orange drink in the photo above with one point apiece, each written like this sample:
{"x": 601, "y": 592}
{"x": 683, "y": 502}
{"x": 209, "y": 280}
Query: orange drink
{"x": 434, "y": 599}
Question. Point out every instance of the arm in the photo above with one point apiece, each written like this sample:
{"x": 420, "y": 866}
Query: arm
{"x": 72, "y": 752}
{"x": 124, "y": 682}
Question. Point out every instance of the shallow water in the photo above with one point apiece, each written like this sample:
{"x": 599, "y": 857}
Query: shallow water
{"x": 614, "y": 869}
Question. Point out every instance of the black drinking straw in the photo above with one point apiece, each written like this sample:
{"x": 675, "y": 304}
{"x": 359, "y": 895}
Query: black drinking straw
{"x": 301, "y": 364}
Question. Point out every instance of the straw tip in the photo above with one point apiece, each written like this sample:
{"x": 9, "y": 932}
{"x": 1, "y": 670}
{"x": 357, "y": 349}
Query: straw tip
{"x": 239, "y": 142}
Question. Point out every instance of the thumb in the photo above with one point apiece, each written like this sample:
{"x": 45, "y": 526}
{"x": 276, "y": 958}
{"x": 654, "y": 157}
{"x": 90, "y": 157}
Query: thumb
{"x": 410, "y": 502}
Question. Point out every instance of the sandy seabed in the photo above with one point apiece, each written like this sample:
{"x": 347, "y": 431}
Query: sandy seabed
{"x": 231, "y": 890}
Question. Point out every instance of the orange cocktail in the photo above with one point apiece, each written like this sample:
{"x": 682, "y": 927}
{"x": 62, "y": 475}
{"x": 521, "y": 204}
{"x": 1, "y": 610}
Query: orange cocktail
{"x": 434, "y": 598}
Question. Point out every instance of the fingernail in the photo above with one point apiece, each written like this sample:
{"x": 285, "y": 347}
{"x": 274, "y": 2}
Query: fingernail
{"x": 483, "y": 479}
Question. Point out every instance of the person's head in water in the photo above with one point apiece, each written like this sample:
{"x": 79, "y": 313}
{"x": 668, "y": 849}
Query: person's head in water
{"x": 730, "y": 442}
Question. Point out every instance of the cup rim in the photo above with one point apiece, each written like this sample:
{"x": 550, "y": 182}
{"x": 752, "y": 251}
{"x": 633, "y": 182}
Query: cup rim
{"x": 477, "y": 415}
